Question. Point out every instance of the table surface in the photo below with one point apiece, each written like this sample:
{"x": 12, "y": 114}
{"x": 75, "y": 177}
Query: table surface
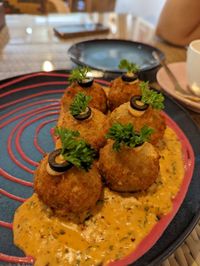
{"x": 32, "y": 37}
{"x": 28, "y": 44}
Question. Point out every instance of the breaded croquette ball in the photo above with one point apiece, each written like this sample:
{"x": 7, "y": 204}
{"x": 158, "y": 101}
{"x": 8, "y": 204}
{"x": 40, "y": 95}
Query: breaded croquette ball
{"x": 92, "y": 130}
{"x": 74, "y": 191}
{"x": 99, "y": 99}
{"x": 150, "y": 117}
{"x": 130, "y": 169}
{"x": 120, "y": 92}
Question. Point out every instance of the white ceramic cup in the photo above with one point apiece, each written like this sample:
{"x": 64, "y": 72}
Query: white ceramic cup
{"x": 193, "y": 66}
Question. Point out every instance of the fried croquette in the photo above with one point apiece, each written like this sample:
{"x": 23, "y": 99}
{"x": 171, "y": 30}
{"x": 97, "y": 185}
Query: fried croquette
{"x": 98, "y": 101}
{"x": 120, "y": 92}
{"x": 75, "y": 191}
{"x": 92, "y": 130}
{"x": 150, "y": 117}
{"x": 130, "y": 169}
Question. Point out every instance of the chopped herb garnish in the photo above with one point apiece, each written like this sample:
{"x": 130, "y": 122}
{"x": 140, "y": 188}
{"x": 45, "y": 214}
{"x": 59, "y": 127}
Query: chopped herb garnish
{"x": 100, "y": 202}
{"x": 125, "y": 135}
{"x": 123, "y": 238}
{"x": 75, "y": 151}
{"x": 79, "y": 104}
{"x": 111, "y": 247}
{"x": 79, "y": 74}
{"x": 62, "y": 232}
{"x": 158, "y": 217}
{"x": 151, "y": 97}
{"x": 129, "y": 66}
{"x": 88, "y": 216}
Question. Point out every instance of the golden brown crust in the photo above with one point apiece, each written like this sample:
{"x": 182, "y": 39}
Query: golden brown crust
{"x": 130, "y": 169}
{"x": 75, "y": 191}
{"x": 92, "y": 130}
{"x": 151, "y": 117}
{"x": 120, "y": 92}
{"x": 98, "y": 101}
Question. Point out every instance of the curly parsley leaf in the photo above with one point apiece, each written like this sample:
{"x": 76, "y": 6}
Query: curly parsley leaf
{"x": 129, "y": 66}
{"x": 144, "y": 135}
{"x": 75, "y": 151}
{"x": 125, "y": 135}
{"x": 151, "y": 97}
{"x": 79, "y": 74}
{"x": 65, "y": 135}
{"x": 79, "y": 104}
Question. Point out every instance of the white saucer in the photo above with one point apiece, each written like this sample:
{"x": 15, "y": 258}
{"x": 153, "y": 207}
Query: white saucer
{"x": 179, "y": 71}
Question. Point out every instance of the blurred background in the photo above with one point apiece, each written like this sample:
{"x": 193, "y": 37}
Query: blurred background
{"x": 149, "y": 10}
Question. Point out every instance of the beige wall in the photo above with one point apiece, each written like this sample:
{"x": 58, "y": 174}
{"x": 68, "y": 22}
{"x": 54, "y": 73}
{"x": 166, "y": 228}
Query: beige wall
{"x": 149, "y": 9}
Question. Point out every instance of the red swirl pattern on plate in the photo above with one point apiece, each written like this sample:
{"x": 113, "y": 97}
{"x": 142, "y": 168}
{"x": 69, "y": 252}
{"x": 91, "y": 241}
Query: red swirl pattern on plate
{"x": 41, "y": 111}
{"x": 36, "y": 134}
{"x": 39, "y": 108}
{"x": 25, "y": 119}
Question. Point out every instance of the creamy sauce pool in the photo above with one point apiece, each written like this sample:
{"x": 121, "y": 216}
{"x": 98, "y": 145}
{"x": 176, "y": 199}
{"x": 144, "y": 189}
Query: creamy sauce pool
{"x": 109, "y": 234}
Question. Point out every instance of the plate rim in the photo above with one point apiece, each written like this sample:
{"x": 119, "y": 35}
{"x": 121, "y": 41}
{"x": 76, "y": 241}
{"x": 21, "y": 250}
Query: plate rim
{"x": 195, "y": 219}
{"x": 192, "y": 105}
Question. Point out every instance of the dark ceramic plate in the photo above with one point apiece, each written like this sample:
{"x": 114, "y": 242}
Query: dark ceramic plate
{"x": 29, "y": 109}
{"x": 105, "y": 55}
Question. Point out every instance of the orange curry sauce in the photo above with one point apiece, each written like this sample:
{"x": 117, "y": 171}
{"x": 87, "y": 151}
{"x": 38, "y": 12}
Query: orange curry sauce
{"x": 116, "y": 229}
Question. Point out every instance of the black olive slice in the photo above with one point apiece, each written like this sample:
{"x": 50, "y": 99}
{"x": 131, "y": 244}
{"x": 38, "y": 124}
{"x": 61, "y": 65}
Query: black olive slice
{"x": 139, "y": 144}
{"x": 86, "y": 83}
{"x": 128, "y": 78}
{"x": 134, "y": 105}
{"x": 58, "y": 167}
{"x": 84, "y": 115}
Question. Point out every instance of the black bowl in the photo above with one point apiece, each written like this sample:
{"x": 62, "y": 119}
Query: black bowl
{"x": 105, "y": 55}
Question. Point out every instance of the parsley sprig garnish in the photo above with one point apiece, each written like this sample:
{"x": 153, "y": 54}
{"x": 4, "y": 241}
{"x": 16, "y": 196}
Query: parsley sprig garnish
{"x": 79, "y": 74}
{"x": 79, "y": 104}
{"x": 75, "y": 150}
{"x": 151, "y": 97}
{"x": 129, "y": 66}
{"x": 126, "y": 135}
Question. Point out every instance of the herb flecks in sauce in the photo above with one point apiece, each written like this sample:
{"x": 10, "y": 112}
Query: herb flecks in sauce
{"x": 128, "y": 218}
